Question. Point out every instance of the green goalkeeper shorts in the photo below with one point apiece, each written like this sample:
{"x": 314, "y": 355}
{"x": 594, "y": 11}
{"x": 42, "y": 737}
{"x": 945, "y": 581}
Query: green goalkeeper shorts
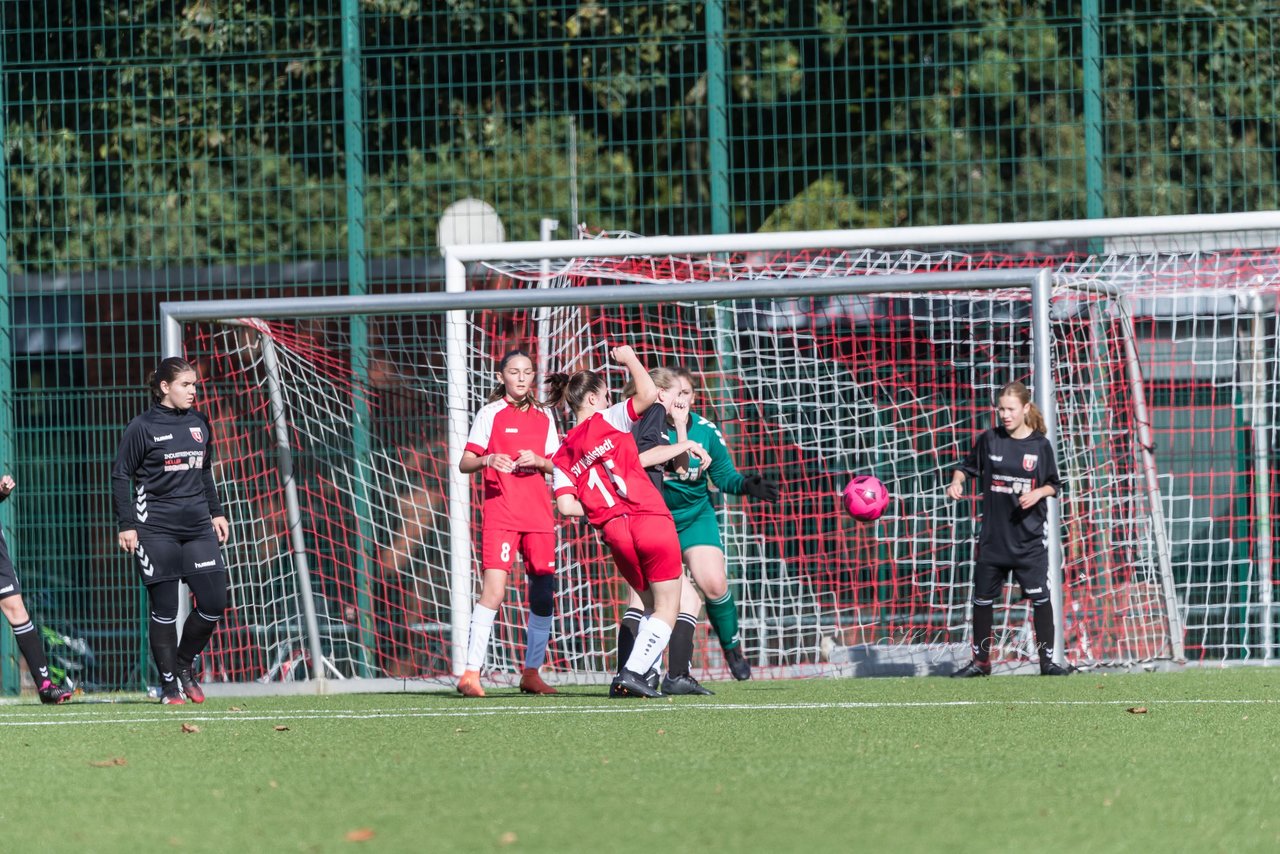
{"x": 700, "y": 529}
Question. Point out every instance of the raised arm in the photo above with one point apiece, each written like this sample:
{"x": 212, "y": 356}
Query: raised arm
{"x": 646, "y": 391}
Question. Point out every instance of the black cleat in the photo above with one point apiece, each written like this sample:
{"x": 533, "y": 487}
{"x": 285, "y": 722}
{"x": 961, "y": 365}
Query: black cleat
{"x": 628, "y": 684}
{"x": 1052, "y": 669}
{"x": 190, "y": 687}
{"x": 53, "y": 694}
{"x": 653, "y": 678}
{"x": 739, "y": 667}
{"x": 973, "y": 668}
{"x": 683, "y": 684}
{"x": 171, "y": 695}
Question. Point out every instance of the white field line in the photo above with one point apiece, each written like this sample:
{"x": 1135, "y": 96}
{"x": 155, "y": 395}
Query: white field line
{"x": 71, "y": 717}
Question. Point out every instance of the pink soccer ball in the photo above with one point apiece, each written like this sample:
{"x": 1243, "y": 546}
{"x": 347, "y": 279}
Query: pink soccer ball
{"x": 865, "y": 497}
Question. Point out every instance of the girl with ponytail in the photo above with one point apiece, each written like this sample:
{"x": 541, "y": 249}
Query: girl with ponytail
{"x": 598, "y": 474}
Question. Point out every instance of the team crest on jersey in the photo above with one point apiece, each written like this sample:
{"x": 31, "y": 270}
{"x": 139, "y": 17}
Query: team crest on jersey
{"x": 197, "y": 433}
{"x": 1029, "y": 462}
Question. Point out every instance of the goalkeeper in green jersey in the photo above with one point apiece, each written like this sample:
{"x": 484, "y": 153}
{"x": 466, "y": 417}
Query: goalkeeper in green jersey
{"x": 689, "y": 501}
{"x": 688, "y": 497}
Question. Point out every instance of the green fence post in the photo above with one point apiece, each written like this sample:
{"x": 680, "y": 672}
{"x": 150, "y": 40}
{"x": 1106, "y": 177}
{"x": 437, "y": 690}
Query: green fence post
{"x": 10, "y": 680}
{"x": 1095, "y": 204}
{"x": 718, "y": 117}
{"x": 357, "y": 256}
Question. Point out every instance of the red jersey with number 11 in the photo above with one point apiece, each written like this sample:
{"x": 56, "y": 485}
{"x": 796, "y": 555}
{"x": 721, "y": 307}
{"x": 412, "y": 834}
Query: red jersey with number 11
{"x": 598, "y": 462}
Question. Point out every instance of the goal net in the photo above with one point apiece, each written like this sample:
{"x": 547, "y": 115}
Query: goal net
{"x": 806, "y": 390}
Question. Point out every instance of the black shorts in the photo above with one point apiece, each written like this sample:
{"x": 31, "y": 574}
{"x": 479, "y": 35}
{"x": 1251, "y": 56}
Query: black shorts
{"x": 989, "y": 579}
{"x": 165, "y": 557}
{"x": 8, "y": 575}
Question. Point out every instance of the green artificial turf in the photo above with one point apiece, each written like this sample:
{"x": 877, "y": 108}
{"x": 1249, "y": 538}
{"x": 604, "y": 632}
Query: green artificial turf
{"x": 1000, "y": 764}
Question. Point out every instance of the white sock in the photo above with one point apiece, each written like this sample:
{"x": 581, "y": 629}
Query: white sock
{"x": 478, "y": 644}
{"x": 537, "y": 637}
{"x": 651, "y": 640}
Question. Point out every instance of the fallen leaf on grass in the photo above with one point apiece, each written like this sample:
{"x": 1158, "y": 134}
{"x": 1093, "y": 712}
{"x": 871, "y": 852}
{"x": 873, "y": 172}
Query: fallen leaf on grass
{"x": 282, "y": 728}
{"x": 662, "y": 732}
{"x": 508, "y": 838}
{"x": 360, "y": 834}
{"x": 1137, "y": 710}
{"x": 235, "y": 709}
{"x": 190, "y": 728}
{"x": 109, "y": 763}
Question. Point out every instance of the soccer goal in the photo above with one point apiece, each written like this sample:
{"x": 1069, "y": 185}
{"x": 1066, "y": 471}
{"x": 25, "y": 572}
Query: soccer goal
{"x": 339, "y": 422}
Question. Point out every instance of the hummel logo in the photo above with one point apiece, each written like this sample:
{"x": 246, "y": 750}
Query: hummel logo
{"x": 145, "y": 562}
{"x": 6, "y": 589}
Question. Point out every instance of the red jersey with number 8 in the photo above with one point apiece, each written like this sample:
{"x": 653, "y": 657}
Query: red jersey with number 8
{"x": 599, "y": 463}
{"x": 515, "y": 500}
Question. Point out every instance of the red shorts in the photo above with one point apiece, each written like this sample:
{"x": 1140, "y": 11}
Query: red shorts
{"x": 645, "y": 548}
{"x": 499, "y": 549}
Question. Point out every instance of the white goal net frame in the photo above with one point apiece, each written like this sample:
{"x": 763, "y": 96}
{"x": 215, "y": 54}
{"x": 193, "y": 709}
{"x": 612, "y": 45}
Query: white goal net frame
{"x": 540, "y": 262}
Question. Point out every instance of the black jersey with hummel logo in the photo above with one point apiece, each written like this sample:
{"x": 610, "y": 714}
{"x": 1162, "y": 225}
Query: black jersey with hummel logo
{"x": 1006, "y": 468}
{"x": 162, "y": 477}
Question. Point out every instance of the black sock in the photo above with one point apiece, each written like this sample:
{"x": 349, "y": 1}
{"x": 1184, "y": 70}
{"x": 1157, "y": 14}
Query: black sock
{"x": 164, "y": 647}
{"x": 33, "y": 651}
{"x": 984, "y": 622}
{"x": 1042, "y": 620}
{"x": 627, "y": 630}
{"x": 680, "y": 649}
{"x": 196, "y": 632}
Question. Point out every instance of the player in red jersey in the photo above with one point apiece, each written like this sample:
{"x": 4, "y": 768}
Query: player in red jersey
{"x": 664, "y": 452}
{"x": 598, "y": 474}
{"x": 511, "y": 441}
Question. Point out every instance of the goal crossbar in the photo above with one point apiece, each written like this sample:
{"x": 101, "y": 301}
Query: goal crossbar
{"x": 174, "y": 314}
{"x": 871, "y": 238}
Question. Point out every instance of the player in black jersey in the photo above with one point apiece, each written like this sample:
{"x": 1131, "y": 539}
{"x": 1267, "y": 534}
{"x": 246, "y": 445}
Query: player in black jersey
{"x": 171, "y": 520}
{"x": 24, "y": 630}
{"x": 1016, "y": 470}
{"x": 659, "y": 455}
